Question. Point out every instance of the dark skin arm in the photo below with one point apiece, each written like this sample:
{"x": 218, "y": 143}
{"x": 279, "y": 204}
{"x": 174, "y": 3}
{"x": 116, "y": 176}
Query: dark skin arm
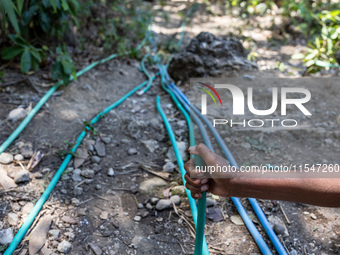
{"x": 315, "y": 191}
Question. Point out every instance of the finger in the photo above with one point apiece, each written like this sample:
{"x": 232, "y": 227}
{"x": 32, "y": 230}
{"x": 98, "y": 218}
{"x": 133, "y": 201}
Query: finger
{"x": 196, "y": 195}
{"x": 190, "y": 164}
{"x": 194, "y": 182}
{"x": 203, "y": 151}
{"x": 192, "y": 188}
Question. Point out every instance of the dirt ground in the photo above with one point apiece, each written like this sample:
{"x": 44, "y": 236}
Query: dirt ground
{"x": 102, "y": 216}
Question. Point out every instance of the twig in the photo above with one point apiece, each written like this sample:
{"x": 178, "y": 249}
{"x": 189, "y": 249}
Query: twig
{"x": 101, "y": 197}
{"x": 284, "y": 214}
{"x": 165, "y": 176}
{"x": 6, "y": 84}
{"x": 85, "y": 201}
{"x": 33, "y": 85}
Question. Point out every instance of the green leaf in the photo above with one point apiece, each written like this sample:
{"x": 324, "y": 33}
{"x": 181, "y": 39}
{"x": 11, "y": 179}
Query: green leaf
{"x": 28, "y": 15}
{"x": 9, "y": 8}
{"x": 25, "y": 62}
{"x": 35, "y": 65}
{"x": 67, "y": 67}
{"x": 11, "y": 52}
{"x": 36, "y": 56}
{"x": 64, "y": 4}
{"x": 298, "y": 56}
{"x": 54, "y": 5}
{"x": 44, "y": 21}
{"x": 20, "y": 4}
{"x": 56, "y": 71}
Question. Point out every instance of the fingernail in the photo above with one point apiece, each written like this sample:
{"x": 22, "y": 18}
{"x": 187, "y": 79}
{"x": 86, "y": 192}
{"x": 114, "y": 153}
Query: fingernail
{"x": 204, "y": 181}
{"x": 192, "y": 148}
{"x": 196, "y": 195}
{"x": 204, "y": 188}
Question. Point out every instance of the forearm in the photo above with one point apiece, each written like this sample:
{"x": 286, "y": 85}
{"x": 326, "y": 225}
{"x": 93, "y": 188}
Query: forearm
{"x": 321, "y": 192}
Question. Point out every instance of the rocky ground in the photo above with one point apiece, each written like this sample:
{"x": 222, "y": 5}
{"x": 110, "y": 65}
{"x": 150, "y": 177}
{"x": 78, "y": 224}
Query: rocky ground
{"x": 117, "y": 195}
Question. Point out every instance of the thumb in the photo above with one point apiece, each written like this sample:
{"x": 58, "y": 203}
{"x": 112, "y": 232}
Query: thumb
{"x": 203, "y": 151}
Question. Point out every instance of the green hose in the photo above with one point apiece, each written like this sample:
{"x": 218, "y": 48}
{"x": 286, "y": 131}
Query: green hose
{"x": 37, "y": 207}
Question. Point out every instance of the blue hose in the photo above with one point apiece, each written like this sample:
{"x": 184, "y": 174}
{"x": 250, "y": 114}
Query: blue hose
{"x": 257, "y": 209}
{"x": 37, "y": 207}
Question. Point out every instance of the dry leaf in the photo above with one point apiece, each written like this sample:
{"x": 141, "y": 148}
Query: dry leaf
{"x": 38, "y": 237}
{"x": 35, "y": 160}
{"x": 68, "y": 220}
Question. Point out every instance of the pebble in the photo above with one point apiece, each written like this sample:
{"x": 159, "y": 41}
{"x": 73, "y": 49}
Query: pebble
{"x": 163, "y": 204}
{"x": 75, "y": 201}
{"x": 151, "y": 145}
{"x": 154, "y": 200}
{"x": 279, "y": 229}
{"x": 38, "y": 175}
{"x": 6, "y": 158}
{"x": 64, "y": 247}
{"x": 95, "y": 248}
{"x": 98, "y": 187}
{"x": 6, "y": 236}
{"x": 237, "y": 220}
{"x": 183, "y": 148}
{"x": 19, "y": 157}
{"x": 149, "y": 206}
{"x": 106, "y": 140}
{"x": 104, "y": 215}
{"x": 16, "y": 207}
{"x": 12, "y": 219}
{"x": 169, "y": 167}
{"x": 132, "y": 151}
{"x": 95, "y": 159}
{"x": 87, "y": 173}
{"x": 78, "y": 191}
{"x": 26, "y": 149}
{"x": 210, "y": 202}
{"x": 313, "y": 216}
{"x": 54, "y": 234}
{"x": 110, "y": 172}
{"x": 137, "y": 218}
{"x": 140, "y": 206}
{"x": 70, "y": 235}
{"x": 65, "y": 176}
{"x": 176, "y": 199}
{"x": 100, "y": 148}
{"x": 22, "y": 176}
{"x": 178, "y": 190}
{"x": 27, "y": 208}
{"x": 64, "y": 191}
{"x": 76, "y": 175}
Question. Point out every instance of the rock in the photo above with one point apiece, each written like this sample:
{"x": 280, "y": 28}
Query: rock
{"x": 163, "y": 204}
{"x": 100, "y": 148}
{"x": 77, "y": 191}
{"x": 151, "y": 145}
{"x": 150, "y": 184}
{"x": 106, "y": 140}
{"x": 26, "y": 149}
{"x": 38, "y": 175}
{"x": 176, "y": 199}
{"x": 293, "y": 252}
{"x": 12, "y": 219}
{"x": 87, "y": 173}
{"x": 22, "y": 176}
{"x": 278, "y": 225}
{"x": 104, "y": 215}
{"x": 178, "y": 190}
{"x": 64, "y": 247}
{"x": 6, "y": 158}
{"x": 140, "y": 206}
{"x": 95, "y": 159}
{"x": 134, "y": 189}
{"x": 70, "y": 235}
{"x": 149, "y": 206}
{"x": 17, "y": 114}
{"x": 169, "y": 167}
{"x": 137, "y": 218}
{"x": 19, "y": 157}
{"x": 6, "y": 236}
{"x": 210, "y": 202}
{"x": 98, "y": 187}
{"x": 16, "y": 207}
{"x": 237, "y": 220}
{"x": 313, "y": 216}
{"x": 5, "y": 181}
{"x": 246, "y": 145}
{"x": 80, "y": 156}
{"x": 95, "y": 248}
{"x": 27, "y": 209}
{"x": 76, "y": 175}
{"x": 183, "y": 148}
{"x": 65, "y": 176}
{"x": 144, "y": 213}
{"x": 132, "y": 151}
{"x": 75, "y": 201}
{"x": 96, "y": 167}
{"x": 154, "y": 200}
{"x": 69, "y": 220}
{"x": 54, "y": 234}
{"x": 208, "y": 55}
{"x": 110, "y": 172}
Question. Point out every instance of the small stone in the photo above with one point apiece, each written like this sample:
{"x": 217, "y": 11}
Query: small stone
{"x": 64, "y": 247}
{"x": 16, "y": 207}
{"x": 328, "y": 141}
{"x": 75, "y": 201}
{"x": 137, "y": 218}
{"x": 54, "y": 234}
{"x": 87, "y": 173}
{"x": 246, "y": 145}
{"x": 154, "y": 200}
{"x": 163, "y": 204}
{"x": 6, "y": 158}
{"x": 176, "y": 199}
{"x": 26, "y": 149}
{"x": 19, "y": 157}
{"x": 278, "y": 225}
{"x": 149, "y": 206}
{"x": 27, "y": 208}
{"x": 134, "y": 189}
{"x": 169, "y": 167}
{"x": 38, "y": 175}
{"x": 104, "y": 215}
{"x": 313, "y": 216}
{"x": 237, "y": 220}
{"x": 70, "y": 235}
{"x": 151, "y": 145}
{"x": 140, "y": 206}
{"x": 76, "y": 175}
{"x": 100, "y": 148}
{"x": 98, "y": 187}
{"x": 12, "y": 219}
{"x": 22, "y": 176}
{"x": 132, "y": 151}
{"x": 144, "y": 213}
{"x": 78, "y": 191}
{"x": 96, "y": 167}
{"x": 150, "y": 184}
{"x": 178, "y": 190}
{"x": 6, "y": 236}
{"x": 17, "y": 114}
{"x": 279, "y": 229}
{"x": 64, "y": 191}
{"x": 65, "y": 177}
{"x": 106, "y": 140}
{"x": 95, "y": 159}
{"x": 293, "y": 252}
{"x": 110, "y": 172}
{"x": 95, "y": 248}
{"x": 210, "y": 202}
